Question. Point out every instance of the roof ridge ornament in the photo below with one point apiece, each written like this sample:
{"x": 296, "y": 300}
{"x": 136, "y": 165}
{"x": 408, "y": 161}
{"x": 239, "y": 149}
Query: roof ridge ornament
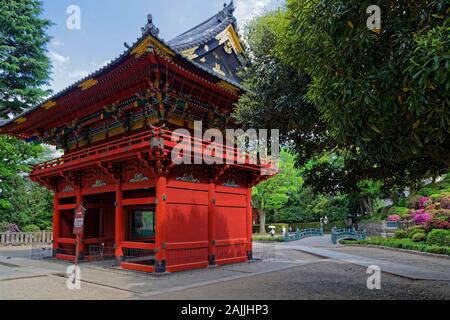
{"x": 227, "y": 12}
{"x": 229, "y": 9}
{"x": 150, "y": 28}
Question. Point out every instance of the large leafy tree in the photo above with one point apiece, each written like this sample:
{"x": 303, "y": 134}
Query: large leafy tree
{"x": 273, "y": 194}
{"x": 378, "y": 103}
{"x": 383, "y": 96}
{"x": 21, "y": 201}
{"x": 24, "y": 66}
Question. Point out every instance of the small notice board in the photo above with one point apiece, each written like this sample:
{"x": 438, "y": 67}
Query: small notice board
{"x": 78, "y": 223}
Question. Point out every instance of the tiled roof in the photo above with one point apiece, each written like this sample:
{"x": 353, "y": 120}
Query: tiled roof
{"x": 149, "y": 29}
{"x": 205, "y": 31}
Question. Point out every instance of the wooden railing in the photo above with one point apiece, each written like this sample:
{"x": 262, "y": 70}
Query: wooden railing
{"x": 140, "y": 140}
{"x": 25, "y": 238}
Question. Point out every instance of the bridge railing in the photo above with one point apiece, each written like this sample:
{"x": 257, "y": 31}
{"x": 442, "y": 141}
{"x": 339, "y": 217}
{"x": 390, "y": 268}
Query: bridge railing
{"x": 340, "y": 234}
{"x": 302, "y": 234}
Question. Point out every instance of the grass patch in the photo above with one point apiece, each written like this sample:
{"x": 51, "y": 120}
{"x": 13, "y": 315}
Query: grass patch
{"x": 407, "y": 244}
{"x": 267, "y": 238}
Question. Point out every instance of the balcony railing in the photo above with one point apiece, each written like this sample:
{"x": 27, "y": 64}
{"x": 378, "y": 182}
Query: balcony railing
{"x": 142, "y": 141}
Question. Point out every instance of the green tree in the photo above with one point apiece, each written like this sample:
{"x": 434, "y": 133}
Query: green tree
{"x": 275, "y": 193}
{"x": 376, "y": 103}
{"x": 22, "y": 201}
{"x": 24, "y": 66}
{"x": 384, "y": 97}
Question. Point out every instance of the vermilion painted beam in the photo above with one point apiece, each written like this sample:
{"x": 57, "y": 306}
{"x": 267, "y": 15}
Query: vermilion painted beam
{"x": 212, "y": 223}
{"x": 161, "y": 224}
{"x": 187, "y": 245}
{"x": 120, "y": 221}
{"x": 137, "y": 267}
{"x": 138, "y": 245}
{"x": 67, "y": 207}
{"x": 138, "y": 201}
{"x": 56, "y": 222}
{"x": 187, "y": 266}
{"x": 249, "y": 223}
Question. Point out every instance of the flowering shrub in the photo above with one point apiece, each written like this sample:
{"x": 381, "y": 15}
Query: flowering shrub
{"x": 421, "y": 218}
{"x": 424, "y": 202}
{"x": 445, "y": 203}
{"x": 436, "y": 224}
{"x": 394, "y": 217}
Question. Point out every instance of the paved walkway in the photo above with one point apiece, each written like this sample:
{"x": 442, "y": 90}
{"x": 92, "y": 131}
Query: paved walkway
{"x": 312, "y": 268}
{"x": 408, "y": 265}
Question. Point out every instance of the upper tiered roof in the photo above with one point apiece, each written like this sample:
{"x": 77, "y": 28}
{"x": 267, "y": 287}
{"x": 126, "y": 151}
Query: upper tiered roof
{"x": 214, "y": 44}
{"x": 212, "y": 48}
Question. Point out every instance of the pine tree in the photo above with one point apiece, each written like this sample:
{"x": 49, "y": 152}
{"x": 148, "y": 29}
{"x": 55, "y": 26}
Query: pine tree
{"x": 24, "y": 66}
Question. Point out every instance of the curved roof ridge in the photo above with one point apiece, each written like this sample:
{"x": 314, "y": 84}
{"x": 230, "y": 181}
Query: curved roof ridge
{"x": 207, "y": 30}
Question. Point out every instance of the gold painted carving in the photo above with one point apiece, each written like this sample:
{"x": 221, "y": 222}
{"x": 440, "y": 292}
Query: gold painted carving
{"x": 228, "y": 87}
{"x": 20, "y": 120}
{"x": 230, "y": 35}
{"x": 218, "y": 69}
{"x": 49, "y": 105}
{"x": 159, "y": 48}
{"x": 88, "y": 84}
{"x": 190, "y": 53}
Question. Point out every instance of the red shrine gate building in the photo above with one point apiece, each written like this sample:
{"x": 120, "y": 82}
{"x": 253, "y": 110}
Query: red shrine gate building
{"x": 115, "y": 127}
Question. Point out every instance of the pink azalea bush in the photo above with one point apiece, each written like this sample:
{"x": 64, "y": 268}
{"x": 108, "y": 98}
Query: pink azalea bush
{"x": 424, "y": 202}
{"x": 445, "y": 203}
{"x": 394, "y": 218}
{"x": 436, "y": 224}
{"x": 421, "y": 217}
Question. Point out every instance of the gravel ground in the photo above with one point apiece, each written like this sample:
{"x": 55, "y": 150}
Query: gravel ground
{"x": 307, "y": 277}
{"x": 325, "y": 280}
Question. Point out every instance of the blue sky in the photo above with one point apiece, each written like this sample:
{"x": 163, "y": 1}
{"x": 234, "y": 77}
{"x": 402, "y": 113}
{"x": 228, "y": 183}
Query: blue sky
{"x": 107, "y": 24}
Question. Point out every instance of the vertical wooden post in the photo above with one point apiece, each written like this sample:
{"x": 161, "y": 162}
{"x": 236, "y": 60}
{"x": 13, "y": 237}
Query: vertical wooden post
{"x": 120, "y": 228}
{"x": 249, "y": 224}
{"x": 211, "y": 224}
{"x": 56, "y": 223}
{"x": 80, "y": 248}
{"x": 161, "y": 224}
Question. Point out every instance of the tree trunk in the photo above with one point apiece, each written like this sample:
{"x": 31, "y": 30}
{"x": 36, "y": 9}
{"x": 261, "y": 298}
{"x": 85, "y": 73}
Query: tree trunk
{"x": 275, "y": 214}
{"x": 367, "y": 203}
{"x": 262, "y": 221}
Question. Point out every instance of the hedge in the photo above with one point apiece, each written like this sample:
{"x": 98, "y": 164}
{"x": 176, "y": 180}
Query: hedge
{"x": 407, "y": 244}
{"x": 303, "y": 225}
{"x": 267, "y": 238}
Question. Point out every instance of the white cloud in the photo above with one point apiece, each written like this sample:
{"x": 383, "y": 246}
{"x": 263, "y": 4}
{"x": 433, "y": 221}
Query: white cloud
{"x": 56, "y": 43}
{"x": 78, "y": 74}
{"x": 248, "y": 9}
{"x": 58, "y": 59}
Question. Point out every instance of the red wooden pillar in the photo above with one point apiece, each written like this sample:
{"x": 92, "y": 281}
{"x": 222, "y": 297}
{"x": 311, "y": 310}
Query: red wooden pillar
{"x": 249, "y": 224}
{"x": 56, "y": 223}
{"x": 119, "y": 225}
{"x": 211, "y": 224}
{"x": 161, "y": 224}
{"x": 81, "y": 247}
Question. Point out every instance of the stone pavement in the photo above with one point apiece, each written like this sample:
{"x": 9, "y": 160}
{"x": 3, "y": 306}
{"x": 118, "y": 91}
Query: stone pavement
{"x": 45, "y": 279}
